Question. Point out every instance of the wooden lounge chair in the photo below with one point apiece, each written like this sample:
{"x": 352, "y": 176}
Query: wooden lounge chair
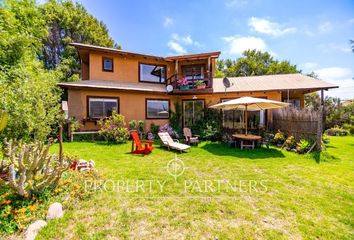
{"x": 168, "y": 142}
{"x": 190, "y": 139}
{"x": 137, "y": 145}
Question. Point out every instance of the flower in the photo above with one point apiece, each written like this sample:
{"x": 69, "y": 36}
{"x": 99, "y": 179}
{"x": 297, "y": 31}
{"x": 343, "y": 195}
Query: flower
{"x": 183, "y": 81}
{"x": 33, "y": 207}
{"x": 5, "y": 202}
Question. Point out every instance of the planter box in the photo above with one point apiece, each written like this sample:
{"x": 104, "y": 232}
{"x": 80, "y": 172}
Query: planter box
{"x": 201, "y": 86}
{"x": 184, "y": 87}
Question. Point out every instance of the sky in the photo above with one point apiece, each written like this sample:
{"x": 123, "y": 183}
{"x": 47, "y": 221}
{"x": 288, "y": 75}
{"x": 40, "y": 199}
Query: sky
{"x": 312, "y": 34}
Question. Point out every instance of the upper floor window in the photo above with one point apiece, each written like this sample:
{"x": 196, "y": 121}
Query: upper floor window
{"x": 152, "y": 73}
{"x": 193, "y": 71}
{"x": 100, "y": 107}
{"x": 107, "y": 64}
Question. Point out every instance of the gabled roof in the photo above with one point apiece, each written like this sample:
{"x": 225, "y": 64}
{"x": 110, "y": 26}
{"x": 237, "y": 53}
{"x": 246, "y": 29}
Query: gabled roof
{"x": 116, "y": 85}
{"x": 279, "y": 82}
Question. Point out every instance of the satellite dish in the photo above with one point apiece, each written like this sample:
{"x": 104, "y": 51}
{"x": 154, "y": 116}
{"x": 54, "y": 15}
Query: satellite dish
{"x": 226, "y": 83}
{"x": 169, "y": 88}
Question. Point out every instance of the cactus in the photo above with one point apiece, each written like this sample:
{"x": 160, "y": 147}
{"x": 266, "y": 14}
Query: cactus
{"x": 31, "y": 168}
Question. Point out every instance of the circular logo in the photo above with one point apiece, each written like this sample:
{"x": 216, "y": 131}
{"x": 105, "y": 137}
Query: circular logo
{"x": 175, "y": 167}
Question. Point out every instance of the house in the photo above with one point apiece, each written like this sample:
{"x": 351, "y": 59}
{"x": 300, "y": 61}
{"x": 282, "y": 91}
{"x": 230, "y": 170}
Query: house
{"x": 146, "y": 87}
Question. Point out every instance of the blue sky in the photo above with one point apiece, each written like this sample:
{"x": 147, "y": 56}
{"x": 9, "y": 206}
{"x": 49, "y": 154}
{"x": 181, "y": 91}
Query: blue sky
{"x": 312, "y": 34}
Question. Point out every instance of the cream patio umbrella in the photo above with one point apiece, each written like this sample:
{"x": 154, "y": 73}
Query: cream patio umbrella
{"x": 249, "y": 104}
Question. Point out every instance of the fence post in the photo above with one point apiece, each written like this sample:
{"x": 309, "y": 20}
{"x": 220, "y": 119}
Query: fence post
{"x": 319, "y": 130}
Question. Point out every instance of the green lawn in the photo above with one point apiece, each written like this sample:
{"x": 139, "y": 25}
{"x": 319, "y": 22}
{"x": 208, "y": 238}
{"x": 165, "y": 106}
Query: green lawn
{"x": 304, "y": 199}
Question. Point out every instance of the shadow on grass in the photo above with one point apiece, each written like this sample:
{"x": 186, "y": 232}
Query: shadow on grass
{"x": 323, "y": 156}
{"x": 257, "y": 153}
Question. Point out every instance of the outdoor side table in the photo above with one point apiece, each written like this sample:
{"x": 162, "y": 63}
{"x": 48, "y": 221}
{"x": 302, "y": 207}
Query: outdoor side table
{"x": 247, "y": 138}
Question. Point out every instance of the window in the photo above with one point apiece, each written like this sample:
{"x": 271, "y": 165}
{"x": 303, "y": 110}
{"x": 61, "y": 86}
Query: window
{"x": 102, "y": 107}
{"x": 193, "y": 111}
{"x": 152, "y": 73}
{"x": 295, "y": 103}
{"x": 193, "y": 71}
{"x": 107, "y": 64}
{"x": 234, "y": 119}
{"x": 157, "y": 109}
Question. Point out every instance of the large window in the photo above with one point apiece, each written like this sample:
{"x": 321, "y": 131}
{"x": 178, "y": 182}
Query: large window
{"x": 157, "y": 109}
{"x": 152, "y": 73}
{"x": 234, "y": 119}
{"x": 193, "y": 111}
{"x": 193, "y": 71}
{"x": 102, "y": 107}
{"x": 107, "y": 64}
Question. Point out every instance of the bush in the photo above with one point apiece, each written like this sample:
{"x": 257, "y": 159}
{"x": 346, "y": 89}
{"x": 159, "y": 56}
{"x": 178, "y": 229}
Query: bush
{"x": 290, "y": 142}
{"x": 30, "y": 169}
{"x": 349, "y": 127}
{"x": 209, "y": 127}
{"x": 154, "y": 129}
{"x": 336, "y": 131}
{"x": 113, "y": 128}
{"x": 304, "y": 145}
{"x": 167, "y": 128}
{"x": 279, "y": 137}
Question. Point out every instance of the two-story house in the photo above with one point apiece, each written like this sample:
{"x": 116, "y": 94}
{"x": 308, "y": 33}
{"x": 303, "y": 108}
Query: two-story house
{"x": 147, "y": 87}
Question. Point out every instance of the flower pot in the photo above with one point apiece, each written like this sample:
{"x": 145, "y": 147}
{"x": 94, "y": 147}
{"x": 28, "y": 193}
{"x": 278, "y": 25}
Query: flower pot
{"x": 184, "y": 87}
{"x": 201, "y": 86}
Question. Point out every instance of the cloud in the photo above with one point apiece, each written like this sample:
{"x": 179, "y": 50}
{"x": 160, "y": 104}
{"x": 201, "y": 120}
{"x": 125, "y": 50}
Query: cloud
{"x": 334, "y": 73}
{"x": 176, "y": 47}
{"x": 238, "y": 44}
{"x": 235, "y": 3}
{"x": 265, "y": 26}
{"x": 179, "y": 43}
{"x": 351, "y": 21}
{"x": 325, "y": 27}
{"x": 310, "y": 65}
{"x": 167, "y": 22}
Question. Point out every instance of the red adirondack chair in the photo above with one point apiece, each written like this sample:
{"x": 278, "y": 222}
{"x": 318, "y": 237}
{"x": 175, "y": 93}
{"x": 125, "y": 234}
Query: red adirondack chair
{"x": 137, "y": 145}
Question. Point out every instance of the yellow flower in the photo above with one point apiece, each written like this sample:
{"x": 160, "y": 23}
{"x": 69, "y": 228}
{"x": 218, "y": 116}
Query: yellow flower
{"x": 22, "y": 210}
{"x": 26, "y": 195}
{"x": 33, "y": 207}
{"x": 5, "y": 202}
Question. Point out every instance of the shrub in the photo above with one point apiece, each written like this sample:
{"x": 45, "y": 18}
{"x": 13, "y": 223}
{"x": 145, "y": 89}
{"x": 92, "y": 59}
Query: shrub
{"x": 30, "y": 168}
{"x": 349, "y": 127}
{"x": 303, "y": 146}
{"x": 210, "y": 126}
{"x": 336, "y": 131}
{"x": 154, "y": 129}
{"x": 113, "y": 128}
{"x": 279, "y": 137}
{"x": 290, "y": 142}
{"x": 167, "y": 128}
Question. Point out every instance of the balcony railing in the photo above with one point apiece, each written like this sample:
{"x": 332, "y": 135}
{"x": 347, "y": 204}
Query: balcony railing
{"x": 182, "y": 82}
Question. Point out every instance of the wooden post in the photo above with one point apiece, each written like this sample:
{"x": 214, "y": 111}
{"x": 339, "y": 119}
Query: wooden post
{"x": 323, "y": 111}
{"x": 176, "y": 73}
{"x": 320, "y": 124}
{"x": 210, "y": 73}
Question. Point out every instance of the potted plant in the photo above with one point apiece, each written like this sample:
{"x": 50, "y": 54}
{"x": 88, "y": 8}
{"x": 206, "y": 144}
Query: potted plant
{"x": 200, "y": 84}
{"x": 183, "y": 83}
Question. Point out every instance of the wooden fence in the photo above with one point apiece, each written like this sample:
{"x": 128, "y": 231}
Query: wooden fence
{"x": 302, "y": 123}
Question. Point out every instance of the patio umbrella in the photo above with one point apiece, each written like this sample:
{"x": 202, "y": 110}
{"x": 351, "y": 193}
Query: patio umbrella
{"x": 249, "y": 104}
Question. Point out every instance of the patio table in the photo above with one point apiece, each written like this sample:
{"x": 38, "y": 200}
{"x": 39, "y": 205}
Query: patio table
{"x": 247, "y": 138}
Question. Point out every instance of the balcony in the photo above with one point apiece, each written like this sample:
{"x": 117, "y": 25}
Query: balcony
{"x": 196, "y": 84}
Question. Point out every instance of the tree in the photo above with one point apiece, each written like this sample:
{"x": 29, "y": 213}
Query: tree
{"x": 352, "y": 43}
{"x": 253, "y": 63}
{"x": 70, "y": 22}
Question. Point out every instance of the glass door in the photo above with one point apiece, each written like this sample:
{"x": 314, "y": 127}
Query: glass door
{"x": 193, "y": 110}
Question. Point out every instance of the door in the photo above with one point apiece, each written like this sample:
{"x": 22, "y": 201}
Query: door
{"x": 193, "y": 111}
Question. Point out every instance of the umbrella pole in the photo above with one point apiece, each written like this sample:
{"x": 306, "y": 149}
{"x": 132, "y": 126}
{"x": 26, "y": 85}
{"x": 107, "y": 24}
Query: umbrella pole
{"x": 246, "y": 116}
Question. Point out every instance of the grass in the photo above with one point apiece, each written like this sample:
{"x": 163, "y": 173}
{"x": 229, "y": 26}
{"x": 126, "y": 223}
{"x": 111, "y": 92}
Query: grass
{"x": 307, "y": 196}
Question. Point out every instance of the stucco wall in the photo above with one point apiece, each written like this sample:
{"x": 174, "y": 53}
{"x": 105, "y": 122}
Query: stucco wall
{"x": 132, "y": 104}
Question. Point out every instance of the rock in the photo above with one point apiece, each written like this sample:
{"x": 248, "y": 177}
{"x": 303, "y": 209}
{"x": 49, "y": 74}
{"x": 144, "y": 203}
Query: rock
{"x": 55, "y": 211}
{"x": 34, "y": 229}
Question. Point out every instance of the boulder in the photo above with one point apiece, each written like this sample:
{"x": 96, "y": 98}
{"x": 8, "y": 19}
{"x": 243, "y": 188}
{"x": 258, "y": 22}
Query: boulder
{"x": 34, "y": 229}
{"x": 55, "y": 211}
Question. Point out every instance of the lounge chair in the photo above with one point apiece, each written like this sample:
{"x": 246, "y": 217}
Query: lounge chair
{"x": 137, "y": 145}
{"x": 190, "y": 139}
{"x": 168, "y": 142}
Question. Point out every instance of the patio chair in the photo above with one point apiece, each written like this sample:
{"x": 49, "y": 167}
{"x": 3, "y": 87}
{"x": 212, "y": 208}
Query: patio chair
{"x": 168, "y": 142}
{"x": 190, "y": 139}
{"x": 137, "y": 145}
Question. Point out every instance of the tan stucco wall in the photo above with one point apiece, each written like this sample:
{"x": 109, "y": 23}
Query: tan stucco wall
{"x": 132, "y": 104}
{"x": 124, "y": 68}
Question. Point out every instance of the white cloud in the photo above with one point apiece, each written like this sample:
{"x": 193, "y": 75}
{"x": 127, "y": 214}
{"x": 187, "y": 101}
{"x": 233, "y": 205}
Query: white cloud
{"x": 341, "y": 77}
{"x": 235, "y": 3}
{"x": 310, "y": 65}
{"x": 325, "y": 27}
{"x": 179, "y": 43}
{"x": 238, "y": 44}
{"x": 334, "y": 73}
{"x": 265, "y": 26}
{"x": 167, "y": 22}
{"x": 176, "y": 47}
{"x": 351, "y": 21}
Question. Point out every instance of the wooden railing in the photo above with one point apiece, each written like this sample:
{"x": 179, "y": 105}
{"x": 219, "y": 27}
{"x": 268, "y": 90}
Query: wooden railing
{"x": 176, "y": 79}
